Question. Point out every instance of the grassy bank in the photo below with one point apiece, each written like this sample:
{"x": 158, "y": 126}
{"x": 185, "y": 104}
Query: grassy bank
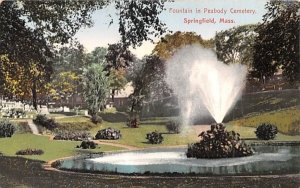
{"x": 286, "y": 120}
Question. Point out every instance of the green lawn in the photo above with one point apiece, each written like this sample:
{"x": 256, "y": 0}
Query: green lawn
{"x": 286, "y": 120}
{"x": 137, "y": 136}
{"x": 52, "y": 149}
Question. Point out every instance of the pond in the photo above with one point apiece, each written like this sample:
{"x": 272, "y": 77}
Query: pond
{"x": 266, "y": 160}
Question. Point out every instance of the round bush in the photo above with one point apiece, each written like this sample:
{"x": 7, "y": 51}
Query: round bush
{"x": 7, "y": 129}
{"x": 87, "y": 145}
{"x": 266, "y": 131}
{"x": 173, "y": 127}
{"x": 218, "y": 143}
{"x": 108, "y": 134}
{"x": 96, "y": 119}
{"x": 30, "y": 152}
{"x": 155, "y": 138}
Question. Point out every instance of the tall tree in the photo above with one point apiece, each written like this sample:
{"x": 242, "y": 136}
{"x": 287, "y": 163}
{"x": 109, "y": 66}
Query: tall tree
{"x": 169, "y": 44}
{"x": 95, "y": 87}
{"x": 147, "y": 81}
{"x": 118, "y": 58}
{"x": 235, "y": 45}
{"x": 277, "y": 45}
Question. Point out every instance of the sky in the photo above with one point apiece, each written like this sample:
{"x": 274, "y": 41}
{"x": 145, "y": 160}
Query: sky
{"x": 101, "y": 34}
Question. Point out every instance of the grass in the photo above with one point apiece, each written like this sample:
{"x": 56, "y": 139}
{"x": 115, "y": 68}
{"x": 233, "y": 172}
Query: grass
{"x": 249, "y": 133}
{"x": 52, "y": 149}
{"x": 286, "y": 120}
{"x": 77, "y": 123}
{"x": 137, "y": 136}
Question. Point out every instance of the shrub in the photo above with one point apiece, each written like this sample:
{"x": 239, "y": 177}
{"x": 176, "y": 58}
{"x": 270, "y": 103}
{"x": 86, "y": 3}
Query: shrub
{"x": 173, "y": 127}
{"x": 69, "y": 135}
{"x": 7, "y": 129}
{"x": 43, "y": 121}
{"x": 218, "y": 143}
{"x": 155, "y": 137}
{"x": 96, "y": 119}
{"x": 30, "y": 152}
{"x": 133, "y": 122}
{"x": 266, "y": 131}
{"x": 87, "y": 145}
{"x": 109, "y": 134}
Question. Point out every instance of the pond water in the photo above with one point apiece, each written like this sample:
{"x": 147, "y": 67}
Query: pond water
{"x": 266, "y": 160}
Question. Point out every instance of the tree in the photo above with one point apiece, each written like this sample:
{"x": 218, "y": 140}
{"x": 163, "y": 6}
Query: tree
{"x": 118, "y": 58}
{"x": 30, "y": 29}
{"x": 138, "y": 20}
{"x": 72, "y": 58}
{"x": 96, "y": 56}
{"x": 235, "y": 45}
{"x": 169, "y": 44}
{"x": 146, "y": 81}
{"x": 117, "y": 80}
{"x": 29, "y": 81}
{"x": 95, "y": 87}
{"x": 277, "y": 45}
{"x": 64, "y": 85}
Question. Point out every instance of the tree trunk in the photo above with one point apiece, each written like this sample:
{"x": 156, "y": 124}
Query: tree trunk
{"x": 34, "y": 95}
{"x": 113, "y": 91}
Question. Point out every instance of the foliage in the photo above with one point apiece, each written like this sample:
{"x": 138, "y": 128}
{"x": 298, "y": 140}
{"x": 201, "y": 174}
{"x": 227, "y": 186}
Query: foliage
{"x": 277, "y": 45}
{"x": 218, "y": 143}
{"x": 86, "y": 144}
{"x": 133, "y": 121}
{"x": 155, "y": 137}
{"x": 96, "y": 119}
{"x": 96, "y": 56}
{"x": 23, "y": 81}
{"x": 173, "y": 127}
{"x": 71, "y": 135}
{"x": 138, "y": 20}
{"x": 29, "y": 151}
{"x": 170, "y": 43}
{"x": 266, "y": 131}
{"x": 7, "y": 129}
{"x": 64, "y": 85}
{"x": 118, "y": 56}
{"x": 108, "y": 134}
{"x": 148, "y": 82}
{"x": 95, "y": 87}
{"x": 46, "y": 122}
{"x": 235, "y": 45}
{"x": 70, "y": 59}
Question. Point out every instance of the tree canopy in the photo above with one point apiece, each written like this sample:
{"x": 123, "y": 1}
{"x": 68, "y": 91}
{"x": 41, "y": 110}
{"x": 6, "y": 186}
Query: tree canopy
{"x": 170, "y": 43}
{"x": 277, "y": 45}
{"x": 235, "y": 45}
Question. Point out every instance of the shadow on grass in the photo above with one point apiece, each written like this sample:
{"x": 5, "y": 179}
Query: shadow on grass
{"x": 64, "y": 113}
{"x": 114, "y": 117}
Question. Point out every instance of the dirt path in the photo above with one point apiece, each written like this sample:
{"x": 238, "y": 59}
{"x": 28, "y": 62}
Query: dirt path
{"x": 117, "y": 145}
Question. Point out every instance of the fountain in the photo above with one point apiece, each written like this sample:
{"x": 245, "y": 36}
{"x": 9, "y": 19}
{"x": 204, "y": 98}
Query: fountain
{"x": 198, "y": 79}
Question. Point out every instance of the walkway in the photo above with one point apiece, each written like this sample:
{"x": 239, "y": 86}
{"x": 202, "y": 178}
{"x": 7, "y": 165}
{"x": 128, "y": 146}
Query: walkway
{"x": 33, "y": 127}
